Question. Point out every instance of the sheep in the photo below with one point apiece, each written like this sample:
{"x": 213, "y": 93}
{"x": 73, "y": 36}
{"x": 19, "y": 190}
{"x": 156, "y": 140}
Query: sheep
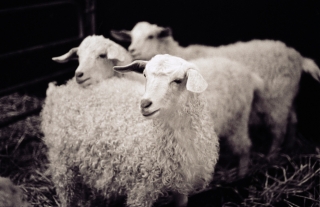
{"x": 97, "y": 55}
{"x": 100, "y": 143}
{"x": 230, "y": 94}
{"x": 82, "y": 127}
{"x": 184, "y": 137}
{"x": 278, "y": 65}
{"x": 10, "y": 194}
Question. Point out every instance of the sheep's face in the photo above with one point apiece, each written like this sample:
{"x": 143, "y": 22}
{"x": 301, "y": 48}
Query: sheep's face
{"x": 147, "y": 40}
{"x": 169, "y": 81}
{"x": 94, "y": 64}
{"x": 165, "y": 85}
{"x": 96, "y": 56}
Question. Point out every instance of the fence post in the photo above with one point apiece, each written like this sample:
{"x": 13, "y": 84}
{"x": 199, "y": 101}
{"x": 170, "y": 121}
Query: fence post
{"x": 90, "y": 9}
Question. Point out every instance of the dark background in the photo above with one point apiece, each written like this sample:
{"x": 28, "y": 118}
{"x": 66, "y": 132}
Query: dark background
{"x": 221, "y": 22}
{"x": 31, "y": 34}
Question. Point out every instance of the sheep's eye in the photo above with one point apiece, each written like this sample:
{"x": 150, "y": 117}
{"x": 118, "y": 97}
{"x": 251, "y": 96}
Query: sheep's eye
{"x": 150, "y": 37}
{"x": 144, "y": 75}
{"x": 102, "y": 55}
{"x": 178, "y": 81}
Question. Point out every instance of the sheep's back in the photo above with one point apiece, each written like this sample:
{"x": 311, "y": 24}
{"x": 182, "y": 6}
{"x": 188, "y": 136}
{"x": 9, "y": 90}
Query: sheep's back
{"x": 230, "y": 91}
{"x": 278, "y": 65}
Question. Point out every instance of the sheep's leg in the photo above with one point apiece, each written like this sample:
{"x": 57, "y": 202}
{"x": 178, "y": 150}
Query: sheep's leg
{"x": 276, "y": 143}
{"x": 68, "y": 187}
{"x": 278, "y": 131}
{"x": 180, "y": 200}
{"x": 243, "y": 164}
{"x": 60, "y": 177}
{"x": 291, "y": 132}
{"x": 240, "y": 144}
{"x": 82, "y": 195}
{"x": 139, "y": 196}
{"x": 244, "y": 158}
{"x": 280, "y": 111}
{"x": 63, "y": 187}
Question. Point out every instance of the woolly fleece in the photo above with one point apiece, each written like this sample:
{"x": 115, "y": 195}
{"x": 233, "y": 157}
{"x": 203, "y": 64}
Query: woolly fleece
{"x": 98, "y": 138}
{"x": 277, "y": 64}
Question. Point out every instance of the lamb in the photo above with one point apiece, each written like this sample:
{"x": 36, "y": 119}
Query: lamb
{"x": 184, "y": 137}
{"x": 97, "y": 55}
{"x": 10, "y": 194}
{"x": 82, "y": 128}
{"x": 278, "y": 65}
{"x": 230, "y": 95}
{"x": 100, "y": 143}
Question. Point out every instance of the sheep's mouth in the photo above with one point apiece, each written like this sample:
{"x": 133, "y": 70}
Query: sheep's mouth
{"x": 150, "y": 114}
{"x": 137, "y": 56}
{"x": 134, "y": 56}
{"x": 81, "y": 81}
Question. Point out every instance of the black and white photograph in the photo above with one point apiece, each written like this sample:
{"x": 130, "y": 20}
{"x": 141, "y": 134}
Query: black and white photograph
{"x": 125, "y": 103}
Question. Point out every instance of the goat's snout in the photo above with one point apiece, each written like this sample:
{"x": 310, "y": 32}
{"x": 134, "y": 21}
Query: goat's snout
{"x": 145, "y": 103}
{"x": 79, "y": 74}
{"x": 82, "y": 79}
{"x": 131, "y": 50}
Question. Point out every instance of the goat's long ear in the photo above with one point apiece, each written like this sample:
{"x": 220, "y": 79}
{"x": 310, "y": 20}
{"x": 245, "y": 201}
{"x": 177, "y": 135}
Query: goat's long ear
{"x": 115, "y": 52}
{"x": 165, "y": 32}
{"x": 122, "y": 35}
{"x": 136, "y": 66}
{"x": 71, "y": 55}
{"x": 196, "y": 83}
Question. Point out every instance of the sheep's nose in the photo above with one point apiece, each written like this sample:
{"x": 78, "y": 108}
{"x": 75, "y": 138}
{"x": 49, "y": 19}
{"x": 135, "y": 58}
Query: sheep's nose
{"x": 131, "y": 50}
{"x": 145, "y": 103}
{"x": 79, "y": 74}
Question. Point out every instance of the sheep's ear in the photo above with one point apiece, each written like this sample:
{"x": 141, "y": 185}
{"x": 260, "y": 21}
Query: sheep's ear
{"x": 136, "y": 66}
{"x": 71, "y": 55}
{"x": 196, "y": 83}
{"x": 165, "y": 32}
{"x": 122, "y": 35}
{"x": 115, "y": 52}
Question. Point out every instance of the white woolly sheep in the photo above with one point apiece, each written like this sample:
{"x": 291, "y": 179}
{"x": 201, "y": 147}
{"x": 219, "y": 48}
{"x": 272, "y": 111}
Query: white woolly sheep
{"x": 82, "y": 127}
{"x": 99, "y": 142}
{"x": 278, "y": 65}
{"x": 230, "y": 94}
{"x": 97, "y": 55}
{"x": 10, "y": 194}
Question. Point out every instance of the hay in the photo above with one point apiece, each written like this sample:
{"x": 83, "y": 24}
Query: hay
{"x": 290, "y": 180}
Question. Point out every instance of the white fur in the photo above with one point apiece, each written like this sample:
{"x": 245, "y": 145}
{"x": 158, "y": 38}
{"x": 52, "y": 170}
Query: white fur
{"x": 97, "y": 56}
{"x": 100, "y": 145}
{"x": 230, "y": 92}
{"x": 278, "y": 65}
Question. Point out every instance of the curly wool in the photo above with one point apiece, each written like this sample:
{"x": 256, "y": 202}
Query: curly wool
{"x": 181, "y": 162}
{"x": 80, "y": 125}
{"x": 231, "y": 91}
{"x": 98, "y": 138}
{"x": 277, "y": 64}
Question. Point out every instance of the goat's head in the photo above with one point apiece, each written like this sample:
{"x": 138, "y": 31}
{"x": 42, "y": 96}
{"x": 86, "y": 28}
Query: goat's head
{"x": 97, "y": 55}
{"x": 169, "y": 80}
{"x": 147, "y": 40}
